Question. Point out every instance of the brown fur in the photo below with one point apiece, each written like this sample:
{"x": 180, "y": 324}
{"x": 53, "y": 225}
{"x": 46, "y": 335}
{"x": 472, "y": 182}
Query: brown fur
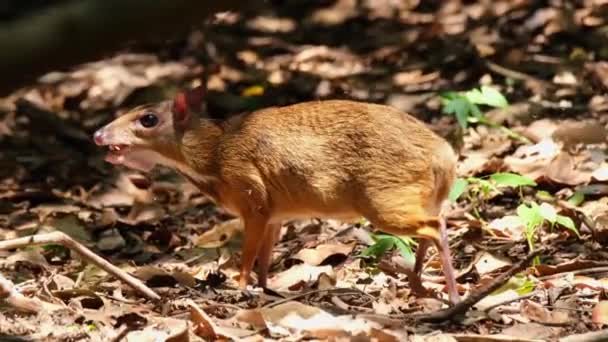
{"x": 335, "y": 159}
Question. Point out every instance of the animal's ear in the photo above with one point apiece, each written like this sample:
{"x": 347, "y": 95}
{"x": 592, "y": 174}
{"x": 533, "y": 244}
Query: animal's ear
{"x": 188, "y": 102}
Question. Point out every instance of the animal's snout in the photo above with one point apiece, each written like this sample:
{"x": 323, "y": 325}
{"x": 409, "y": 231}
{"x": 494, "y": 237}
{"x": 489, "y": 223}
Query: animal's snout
{"x": 99, "y": 137}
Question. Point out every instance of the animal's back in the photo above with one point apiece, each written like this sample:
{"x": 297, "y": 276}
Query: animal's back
{"x": 332, "y": 156}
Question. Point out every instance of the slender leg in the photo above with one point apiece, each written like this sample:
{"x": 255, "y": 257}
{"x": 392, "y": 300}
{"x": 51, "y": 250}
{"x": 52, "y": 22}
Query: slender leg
{"x": 423, "y": 246}
{"x": 255, "y": 228}
{"x": 265, "y": 254}
{"x": 443, "y": 247}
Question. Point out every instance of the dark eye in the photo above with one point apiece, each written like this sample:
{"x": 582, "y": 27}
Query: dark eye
{"x": 148, "y": 120}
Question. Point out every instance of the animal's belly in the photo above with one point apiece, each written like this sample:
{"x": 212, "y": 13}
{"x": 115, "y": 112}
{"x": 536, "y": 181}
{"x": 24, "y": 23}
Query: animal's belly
{"x": 337, "y": 213}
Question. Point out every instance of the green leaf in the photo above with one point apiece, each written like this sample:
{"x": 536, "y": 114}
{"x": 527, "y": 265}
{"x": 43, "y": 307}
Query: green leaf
{"x": 568, "y": 223}
{"x": 460, "y": 185}
{"x": 520, "y": 283}
{"x": 460, "y": 107}
{"x": 405, "y": 248}
{"x": 544, "y": 195}
{"x": 511, "y": 179}
{"x": 531, "y": 216}
{"x": 487, "y": 187}
{"x": 577, "y": 199}
{"x": 378, "y": 249}
{"x": 548, "y": 212}
{"x": 487, "y": 96}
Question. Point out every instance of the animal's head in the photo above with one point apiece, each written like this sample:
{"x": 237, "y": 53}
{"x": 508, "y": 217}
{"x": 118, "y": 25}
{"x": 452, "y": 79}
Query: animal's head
{"x": 149, "y": 134}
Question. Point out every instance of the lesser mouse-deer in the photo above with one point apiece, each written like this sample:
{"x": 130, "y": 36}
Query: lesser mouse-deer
{"x": 328, "y": 159}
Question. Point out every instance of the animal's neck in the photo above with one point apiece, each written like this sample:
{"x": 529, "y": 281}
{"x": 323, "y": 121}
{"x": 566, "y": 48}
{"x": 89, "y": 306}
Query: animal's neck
{"x": 198, "y": 149}
{"x": 193, "y": 155}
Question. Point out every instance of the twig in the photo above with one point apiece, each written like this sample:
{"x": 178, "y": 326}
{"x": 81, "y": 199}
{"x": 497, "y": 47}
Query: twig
{"x": 516, "y": 75}
{"x": 594, "y": 336}
{"x": 306, "y": 294}
{"x": 122, "y": 332}
{"x": 598, "y": 269}
{"x": 9, "y": 294}
{"x": 511, "y": 300}
{"x": 61, "y": 238}
{"x": 462, "y": 307}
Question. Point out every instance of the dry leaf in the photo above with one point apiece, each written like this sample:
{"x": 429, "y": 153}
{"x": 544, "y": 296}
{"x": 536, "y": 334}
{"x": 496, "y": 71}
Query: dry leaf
{"x": 539, "y": 313}
{"x": 301, "y": 273}
{"x": 487, "y": 263}
{"x": 220, "y": 234}
{"x": 316, "y": 256}
{"x": 510, "y": 226}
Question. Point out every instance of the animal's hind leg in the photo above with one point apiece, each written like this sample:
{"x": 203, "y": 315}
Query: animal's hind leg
{"x": 414, "y": 222}
{"x": 443, "y": 247}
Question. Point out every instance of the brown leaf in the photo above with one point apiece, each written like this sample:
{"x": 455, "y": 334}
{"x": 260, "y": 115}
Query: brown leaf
{"x": 580, "y": 132}
{"x": 220, "y": 234}
{"x": 301, "y": 273}
{"x": 539, "y": 313}
{"x": 487, "y": 263}
{"x": 532, "y": 331}
{"x": 316, "y": 256}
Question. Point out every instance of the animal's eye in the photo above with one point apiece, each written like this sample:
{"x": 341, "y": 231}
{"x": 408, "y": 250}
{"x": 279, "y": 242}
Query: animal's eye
{"x": 148, "y": 120}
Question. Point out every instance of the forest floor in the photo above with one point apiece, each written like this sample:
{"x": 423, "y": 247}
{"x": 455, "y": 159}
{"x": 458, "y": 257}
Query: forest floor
{"x": 545, "y": 58}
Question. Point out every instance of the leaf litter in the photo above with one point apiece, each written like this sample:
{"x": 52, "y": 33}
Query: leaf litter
{"x": 322, "y": 285}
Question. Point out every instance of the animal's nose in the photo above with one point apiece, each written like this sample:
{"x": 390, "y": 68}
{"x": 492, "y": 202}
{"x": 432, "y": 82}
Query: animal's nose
{"x": 99, "y": 137}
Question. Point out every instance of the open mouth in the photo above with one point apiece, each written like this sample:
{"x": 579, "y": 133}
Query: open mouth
{"x": 116, "y": 154}
{"x": 117, "y": 148}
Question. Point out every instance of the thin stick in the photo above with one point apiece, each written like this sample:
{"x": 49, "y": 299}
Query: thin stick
{"x": 598, "y": 269}
{"x": 511, "y": 300}
{"x": 516, "y": 75}
{"x": 9, "y": 294}
{"x": 60, "y": 238}
{"x": 343, "y": 291}
{"x": 462, "y": 307}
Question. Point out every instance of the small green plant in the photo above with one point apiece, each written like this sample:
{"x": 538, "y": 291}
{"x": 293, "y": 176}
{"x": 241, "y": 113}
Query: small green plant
{"x": 533, "y": 216}
{"x": 520, "y": 283}
{"x": 465, "y": 107}
{"x": 485, "y": 185}
{"x": 577, "y": 199}
{"x": 386, "y": 242}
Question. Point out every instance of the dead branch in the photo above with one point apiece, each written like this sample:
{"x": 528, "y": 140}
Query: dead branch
{"x": 462, "y": 307}
{"x": 14, "y": 298}
{"x": 74, "y": 32}
{"x": 60, "y": 238}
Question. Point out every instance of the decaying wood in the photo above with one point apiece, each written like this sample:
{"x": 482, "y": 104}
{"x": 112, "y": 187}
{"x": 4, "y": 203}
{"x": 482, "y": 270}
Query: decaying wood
{"x": 60, "y": 238}
{"x": 14, "y": 298}
{"x": 456, "y": 311}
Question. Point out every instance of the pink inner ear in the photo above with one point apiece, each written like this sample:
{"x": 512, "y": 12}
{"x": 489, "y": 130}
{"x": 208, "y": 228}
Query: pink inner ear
{"x": 195, "y": 97}
{"x": 180, "y": 107}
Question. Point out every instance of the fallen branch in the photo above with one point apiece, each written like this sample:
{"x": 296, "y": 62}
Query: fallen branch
{"x": 60, "y": 238}
{"x": 14, "y": 298}
{"x": 456, "y": 311}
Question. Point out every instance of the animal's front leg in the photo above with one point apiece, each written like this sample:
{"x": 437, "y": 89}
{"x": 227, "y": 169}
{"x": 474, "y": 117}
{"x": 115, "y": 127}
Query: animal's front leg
{"x": 273, "y": 231}
{"x": 255, "y": 227}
